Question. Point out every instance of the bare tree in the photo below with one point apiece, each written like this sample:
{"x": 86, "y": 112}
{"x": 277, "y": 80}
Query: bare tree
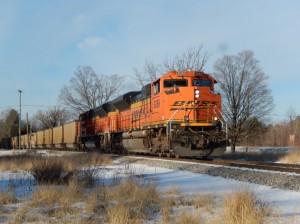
{"x": 10, "y": 123}
{"x": 149, "y": 73}
{"x": 88, "y": 90}
{"x": 277, "y": 134}
{"x": 52, "y": 117}
{"x": 246, "y": 96}
{"x": 193, "y": 59}
{"x": 2, "y": 129}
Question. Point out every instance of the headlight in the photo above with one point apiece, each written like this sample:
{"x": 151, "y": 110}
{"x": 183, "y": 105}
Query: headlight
{"x": 197, "y": 93}
{"x": 215, "y": 118}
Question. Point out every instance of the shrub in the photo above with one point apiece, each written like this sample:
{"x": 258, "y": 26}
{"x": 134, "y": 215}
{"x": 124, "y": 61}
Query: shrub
{"x": 242, "y": 207}
{"x": 86, "y": 177}
{"x": 138, "y": 197}
{"x": 50, "y": 171}
{"x": 292, "y": 157}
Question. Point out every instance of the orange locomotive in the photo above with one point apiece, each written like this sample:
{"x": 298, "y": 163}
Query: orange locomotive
{"x": 179, "y": 114}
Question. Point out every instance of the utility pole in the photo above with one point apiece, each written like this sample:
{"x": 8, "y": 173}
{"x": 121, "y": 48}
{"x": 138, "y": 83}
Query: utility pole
{"x": 27, "y": 128}
{"x": 20, "y": 91}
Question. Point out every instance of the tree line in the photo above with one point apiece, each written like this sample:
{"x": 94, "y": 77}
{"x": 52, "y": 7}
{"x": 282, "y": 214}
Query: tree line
{"x": 247, "y": 99}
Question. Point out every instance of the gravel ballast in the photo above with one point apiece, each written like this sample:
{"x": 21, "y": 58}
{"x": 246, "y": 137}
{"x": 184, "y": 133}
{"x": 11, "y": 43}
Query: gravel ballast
{"x": 287, "y": 181}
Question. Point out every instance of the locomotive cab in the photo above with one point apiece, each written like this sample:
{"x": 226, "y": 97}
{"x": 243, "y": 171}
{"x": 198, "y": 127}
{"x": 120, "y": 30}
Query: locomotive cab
{"x": 186, "y": 104}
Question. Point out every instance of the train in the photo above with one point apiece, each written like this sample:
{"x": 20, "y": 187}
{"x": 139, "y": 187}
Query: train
{"x": 177, "y": 115}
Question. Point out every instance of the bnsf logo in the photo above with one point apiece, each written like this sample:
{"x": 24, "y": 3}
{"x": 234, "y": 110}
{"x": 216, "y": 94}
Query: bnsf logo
{"x": 191, "y": 104}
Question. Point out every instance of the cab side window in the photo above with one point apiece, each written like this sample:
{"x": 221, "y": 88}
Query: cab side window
{"x": 156, "y": 87}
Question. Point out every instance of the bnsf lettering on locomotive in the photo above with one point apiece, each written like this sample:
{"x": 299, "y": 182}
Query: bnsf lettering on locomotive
{"x": 206, "y": 103}
{"x": 191, "y": 104}
{"x": 180, "y": 103}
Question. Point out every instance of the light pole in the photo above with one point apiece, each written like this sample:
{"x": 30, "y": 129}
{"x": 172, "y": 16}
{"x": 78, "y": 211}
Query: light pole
{"x": 20, "y": 91}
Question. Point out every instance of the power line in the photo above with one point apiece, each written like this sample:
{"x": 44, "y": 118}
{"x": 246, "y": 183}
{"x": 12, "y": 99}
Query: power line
{"x": 32, "y": 106}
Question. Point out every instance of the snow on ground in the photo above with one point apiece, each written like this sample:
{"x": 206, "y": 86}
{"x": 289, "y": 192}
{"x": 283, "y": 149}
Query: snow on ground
{"x": 286, "y": 202}
{"x": 261, "y": 149}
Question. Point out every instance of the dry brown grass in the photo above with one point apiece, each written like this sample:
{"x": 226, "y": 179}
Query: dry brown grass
{"x": 242, "y": 207}
{"x": 130, "y": 200}
{"x": 44, "y": 196}
{"x": 292, "y": 157}
{"x": 172, "y": 191}
{"x": 87, "y": 159}
{"x": 189, "y": 217}
{"x": 20, "y": 216}
{"x": 95, "y": 200}
{"x": 190, "y": 208}
{"x": 166, "y": 210}
{"x": 138, "y": 197}
{"x": 120, "y": 213}
{"x": 71, "y": 162}
{"x": 54, "y": 202}
{"x": 7, "y": 197}
{"x": 204, "y": 201}
{"x": 16, "y": 162}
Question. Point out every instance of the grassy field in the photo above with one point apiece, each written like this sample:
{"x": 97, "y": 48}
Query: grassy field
{"x": 69, "y": 189}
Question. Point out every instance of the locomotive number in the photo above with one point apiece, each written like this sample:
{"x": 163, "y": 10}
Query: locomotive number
{"x": 156, "y": 103}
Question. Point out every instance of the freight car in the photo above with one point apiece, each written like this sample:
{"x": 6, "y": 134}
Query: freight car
{"x": 178, "y": 114}
{"x": 63, "y": 137}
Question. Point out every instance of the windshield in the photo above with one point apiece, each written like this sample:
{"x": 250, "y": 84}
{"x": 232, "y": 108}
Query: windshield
{"x": 201, "y": 82}
{"x": 175, "y": 82}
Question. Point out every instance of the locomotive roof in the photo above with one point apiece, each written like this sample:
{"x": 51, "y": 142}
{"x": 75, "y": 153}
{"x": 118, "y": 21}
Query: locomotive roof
{"x": 123, "y": 101}
{"x": 185, "y": 73}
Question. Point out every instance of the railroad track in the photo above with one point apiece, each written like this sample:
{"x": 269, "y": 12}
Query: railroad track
{"x": 279, "y": 167}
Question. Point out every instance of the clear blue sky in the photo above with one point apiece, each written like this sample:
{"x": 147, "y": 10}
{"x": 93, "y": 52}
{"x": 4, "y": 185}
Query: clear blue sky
{"x": 42, "y": 42}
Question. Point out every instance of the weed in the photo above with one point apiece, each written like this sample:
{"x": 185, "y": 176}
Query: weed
{"x": 242, "y": 207}
{"x": 188, "y": 217}
{"x": 292, "y": 157}
{"x": 7, "y": 197}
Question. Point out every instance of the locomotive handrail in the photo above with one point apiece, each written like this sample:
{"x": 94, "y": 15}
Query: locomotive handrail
{"x": 222, "y": 117}
{"x": 169, "y": 124}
